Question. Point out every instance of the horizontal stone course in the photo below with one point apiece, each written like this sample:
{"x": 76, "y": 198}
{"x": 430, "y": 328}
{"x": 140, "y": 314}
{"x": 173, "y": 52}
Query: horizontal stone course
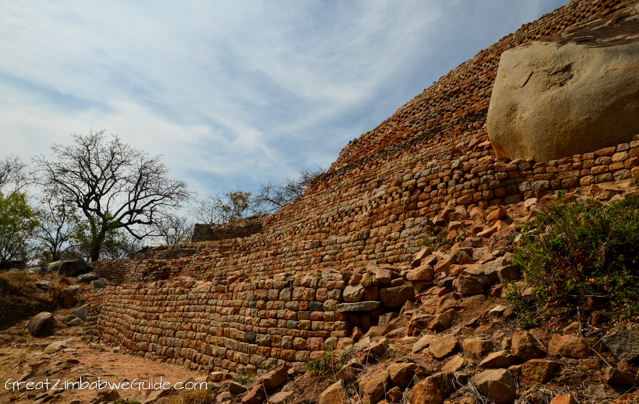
{"x": 376, "y": 204}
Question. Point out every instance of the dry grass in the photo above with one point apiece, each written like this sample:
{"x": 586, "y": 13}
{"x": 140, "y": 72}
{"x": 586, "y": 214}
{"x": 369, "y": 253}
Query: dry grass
{"x": 17, "y": 283}
{"x": 198, "y": 396}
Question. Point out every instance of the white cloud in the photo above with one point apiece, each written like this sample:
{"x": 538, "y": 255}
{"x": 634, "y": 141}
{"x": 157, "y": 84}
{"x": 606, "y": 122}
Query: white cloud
{"x": 231, "y": 93}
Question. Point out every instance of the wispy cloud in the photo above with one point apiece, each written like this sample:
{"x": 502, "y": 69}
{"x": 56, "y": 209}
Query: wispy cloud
{"x": 231, "y": 93}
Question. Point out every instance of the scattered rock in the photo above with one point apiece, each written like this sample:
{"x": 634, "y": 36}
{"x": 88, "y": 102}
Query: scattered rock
{"x": 421, "y": 274}
{"x": 624, "y": 345}
{"x": 537, "y": 371}
{"x": 41, "y": 325}
{"x": 98, "y": 284}
{"x": 423, "y": 342}
{"x": 70, "y": 268}
{"x": 564, "y": 399}
{"x": 284, "y": 397}
{"x": 396, "y": 296}
{"x": 401, "y": 373}
{"x": 454, "y": 364}
{"x": 274, "y": 377}
{"x": 81, "y": 312}
{"x": 498, "y": 384}
{"x": 257, "y": 395}
{"x": 570, "y": 346}
{"x": 443, "y": 321}
{"x": 70, "y": 295}
{"x": 527, "y": 347}
{"x": 74, "y": 322}
{"x": 236, "y": 388}
{"x": 334, "y": 394}
{"x": 472, "y": 281}
{"x": 433, "y": 389}
{"x": 110, "y": 395}
{"x": 443, "y": 346}
{"x": 44, "y": 285}
{"x": 501, "y": 359}
{"x": 395, "y": 395}
{"x": 477, "y": 348}
{"x": 87, "y": 278}
{"x": 54, "y": 347}
{"x": 350, "y": 371}
{"x": 620, "y": 378}
{"x": 372, "y": 388}
{"x": 376, "y": 350}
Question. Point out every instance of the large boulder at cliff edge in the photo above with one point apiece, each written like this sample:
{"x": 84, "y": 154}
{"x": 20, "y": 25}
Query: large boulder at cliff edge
{"x": 569, "y": 94}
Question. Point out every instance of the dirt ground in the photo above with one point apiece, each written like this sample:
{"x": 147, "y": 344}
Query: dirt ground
{"x": 25, "y": 358}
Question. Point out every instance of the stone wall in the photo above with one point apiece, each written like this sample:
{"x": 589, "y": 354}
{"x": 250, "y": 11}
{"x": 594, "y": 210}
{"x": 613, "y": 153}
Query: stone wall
{"x": 378, "y": 223}
{"x": 16, "y": 308}
{"x": 229, "y": 325}
{"x": 373, "y": 207}
{"x": 236, "y": 228}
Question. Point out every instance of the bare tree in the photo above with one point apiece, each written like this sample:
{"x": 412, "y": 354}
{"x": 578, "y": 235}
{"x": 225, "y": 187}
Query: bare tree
{"x": 221, "y": 209}
{"x": 13, "y": 176}
{"x": 271, "y": 196}
{"x": 56, "y": 221}
{"x": 114, "y": 185}
{"x": 172, "y": 230}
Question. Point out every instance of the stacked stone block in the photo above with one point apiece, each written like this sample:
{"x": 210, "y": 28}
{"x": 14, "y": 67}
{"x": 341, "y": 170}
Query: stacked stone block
{"x": 372, "y": 207}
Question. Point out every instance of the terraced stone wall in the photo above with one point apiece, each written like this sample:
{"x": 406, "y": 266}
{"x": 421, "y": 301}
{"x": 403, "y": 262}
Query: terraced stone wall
{"x": 371, "y": 207}
{"x": 386, "y": 225}
{"x": 231, "y": 326}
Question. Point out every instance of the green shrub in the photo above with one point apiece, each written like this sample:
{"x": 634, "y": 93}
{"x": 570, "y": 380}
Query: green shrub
{"x": 573, "y": 251}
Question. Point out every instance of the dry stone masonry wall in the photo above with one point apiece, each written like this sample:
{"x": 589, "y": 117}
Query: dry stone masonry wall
{"x": 374, "y": 207}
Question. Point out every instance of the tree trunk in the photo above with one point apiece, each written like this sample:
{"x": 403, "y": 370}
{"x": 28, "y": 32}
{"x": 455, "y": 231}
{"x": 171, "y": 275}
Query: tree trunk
{"x": 96, "y": 248}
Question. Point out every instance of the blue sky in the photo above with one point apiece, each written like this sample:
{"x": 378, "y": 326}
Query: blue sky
{"x": 232, "y": 94}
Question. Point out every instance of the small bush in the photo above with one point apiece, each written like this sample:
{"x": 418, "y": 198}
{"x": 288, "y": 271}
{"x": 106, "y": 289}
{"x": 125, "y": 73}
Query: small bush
{"x": 244, "y": 379}
{"x": 574, "y": 251}
{"x": 436, "y": 240}
{"x": 327, "y": 365}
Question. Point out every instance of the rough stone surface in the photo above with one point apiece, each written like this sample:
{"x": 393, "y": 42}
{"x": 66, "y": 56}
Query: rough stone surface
{"x": 427, "y": 165}
{"x": 501, "y": 359}
{"x": 70, "y": 295}
{"x": 498, "y": 385}
{"x": 41, "y": 325}
{"x": 537, "y": 371}
{"x": 527, "y": 347}
{"x": 477, "y": 348}
{"x": 624, "y": 345}
{"x": 372, "y": 388}
{"x": 359, "y": 306}
{"x": 394, "y": 297}
{"x": 334, "y": 394}
{"x": 433, "y": 389}
{"x": 556, "y": 98}
{"x": 81, "y": 312}
{"x": 257, "y": 395}
{"x": 401, "y": 373}
{"x": 70, "y": 268}
{"x": 443, "y": 346}
{"x": 570, "y": 346}
{"x": 274, "y": 377}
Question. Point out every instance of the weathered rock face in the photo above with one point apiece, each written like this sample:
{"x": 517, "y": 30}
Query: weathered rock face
{"x": 41, "y": 325}
{"x": 570, "y": 94}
